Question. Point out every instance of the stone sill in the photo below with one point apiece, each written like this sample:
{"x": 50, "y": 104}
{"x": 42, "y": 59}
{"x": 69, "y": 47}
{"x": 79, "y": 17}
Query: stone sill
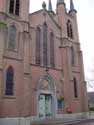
{"x": 9, "y": 97}
{"x": 76, "y": 98}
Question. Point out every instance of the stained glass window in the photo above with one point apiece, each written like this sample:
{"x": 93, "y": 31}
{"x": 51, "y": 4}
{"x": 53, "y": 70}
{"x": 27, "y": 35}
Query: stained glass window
{"x": 75, "y": 88}
{"x": 38, "y": 37}
{"x": 72, "y": 56}
{"x": 12, "y": 37}
{"x": 45, "y": 58}
{"x": 52, "y": 63}
{"x": 9, "y": 81}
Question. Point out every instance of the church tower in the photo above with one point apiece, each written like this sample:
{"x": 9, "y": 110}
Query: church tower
{"x": 16, "y": 8}
{"x": 61, "y": 14}
{"x": 41, "y": 65}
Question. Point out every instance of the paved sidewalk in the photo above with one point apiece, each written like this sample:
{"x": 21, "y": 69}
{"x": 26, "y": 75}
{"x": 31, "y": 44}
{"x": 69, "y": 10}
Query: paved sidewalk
{"x": 91, "y": 115}
{"x": 70, "y": 120}
{"x": 65, "y": 119}
{"x": 88, "y": 123}
{"x": 82, "y": 122}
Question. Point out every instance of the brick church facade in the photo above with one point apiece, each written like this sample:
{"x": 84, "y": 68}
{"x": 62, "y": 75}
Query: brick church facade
{"x": 41, "y": 65}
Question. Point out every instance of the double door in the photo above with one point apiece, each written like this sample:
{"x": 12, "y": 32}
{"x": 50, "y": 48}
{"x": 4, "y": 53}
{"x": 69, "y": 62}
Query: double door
{"x": 45, "y": 105}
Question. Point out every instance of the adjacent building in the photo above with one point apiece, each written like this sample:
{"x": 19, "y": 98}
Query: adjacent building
{"x": 91, "y": 100}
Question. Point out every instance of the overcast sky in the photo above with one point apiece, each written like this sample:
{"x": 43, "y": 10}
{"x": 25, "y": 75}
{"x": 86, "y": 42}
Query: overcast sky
{"x": 85, "y": 13}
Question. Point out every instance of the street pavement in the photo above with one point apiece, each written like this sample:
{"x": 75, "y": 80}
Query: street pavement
{"x": 85, "y": 122}
{"x": 89, "y": 123}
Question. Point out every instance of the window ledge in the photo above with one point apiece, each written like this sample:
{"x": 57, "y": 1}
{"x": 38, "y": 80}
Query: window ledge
{"x": 12, "y": 50}
{"x": 60, "y": 109}
{"x": 13, "y": 16}
{"x": 9, "y": 97}
{"x": 76, "y": 98}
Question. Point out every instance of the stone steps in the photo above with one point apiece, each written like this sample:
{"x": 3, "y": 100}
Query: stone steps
{"x": 62, "y": 122}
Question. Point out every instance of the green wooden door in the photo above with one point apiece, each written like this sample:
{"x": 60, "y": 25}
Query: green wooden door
{"x": 45, "y": 105}
{"x": 42, "y": 106}
{"x": 48, "y": 105}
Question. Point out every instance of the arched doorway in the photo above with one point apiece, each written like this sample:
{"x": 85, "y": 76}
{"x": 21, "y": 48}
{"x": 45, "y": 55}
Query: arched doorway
{"x": 46, "y": 97}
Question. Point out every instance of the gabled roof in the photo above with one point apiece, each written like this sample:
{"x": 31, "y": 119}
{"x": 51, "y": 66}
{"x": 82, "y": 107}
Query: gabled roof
{"x": 51, "y": 15}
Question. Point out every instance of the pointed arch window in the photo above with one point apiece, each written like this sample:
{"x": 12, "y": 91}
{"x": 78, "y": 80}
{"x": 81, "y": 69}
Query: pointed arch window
{"x": 12, "y": 37}
{"x": 72, "y": 56}
{"x": 38, "y": 37}
{"x": 52, "y": 58}
{"x": 11, "y": 7}
{"x": 9, "y": 81}
{"x": 69, "y": 29}
{"x": 45, "y": 58}
{"x": 75, "y": 88}
{"x": 14, "y": 7}
{"x": 17, "y": 5}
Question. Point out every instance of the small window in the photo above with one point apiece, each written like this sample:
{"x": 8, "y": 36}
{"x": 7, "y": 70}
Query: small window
{"x": 38, "y": 37}
{"x": 11, "y": 9}
{"x": 52, "y": 60}
{"x": 69, "y": 29}
{"x": 17, "y": 7}
{"x": 45, "y": 56}
{"x": 75, "y": 88}
{"x": 72, "y": 56}
{"x": 9, "y": 81}
{"x": 71, "y": 32}
{"x": 59, "y": 104}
